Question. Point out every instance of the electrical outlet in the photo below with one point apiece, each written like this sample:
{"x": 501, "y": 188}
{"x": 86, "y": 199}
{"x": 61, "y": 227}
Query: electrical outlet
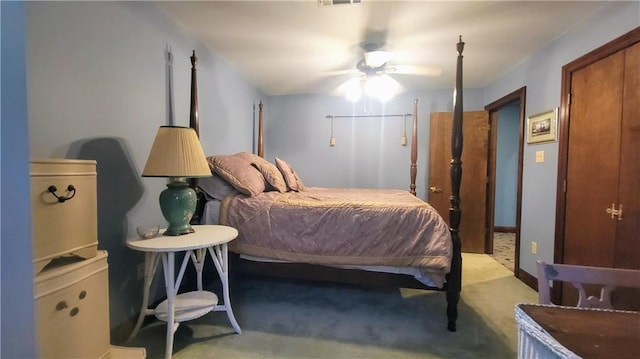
{"x": 140, "y": 271}
{"x": 534, "y": 247}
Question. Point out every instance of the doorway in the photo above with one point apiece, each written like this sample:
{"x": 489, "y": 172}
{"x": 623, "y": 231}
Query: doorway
{"x": 504, "y": 174}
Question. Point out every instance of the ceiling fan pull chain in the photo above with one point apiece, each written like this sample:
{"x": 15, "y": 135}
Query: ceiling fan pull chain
{"x": 364, "y": 102}
{"x": 367, "y": 100}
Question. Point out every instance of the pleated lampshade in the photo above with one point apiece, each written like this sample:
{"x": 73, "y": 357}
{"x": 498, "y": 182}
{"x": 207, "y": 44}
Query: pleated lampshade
{"x": 176, "y": 152}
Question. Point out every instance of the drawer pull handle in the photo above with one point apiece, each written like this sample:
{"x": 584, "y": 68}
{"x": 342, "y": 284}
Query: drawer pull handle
{"x": 74, "y": 311}
{"x": 61, "y": 305}
{"x": 70, "y": 188}
{"x": 82, "y": 294}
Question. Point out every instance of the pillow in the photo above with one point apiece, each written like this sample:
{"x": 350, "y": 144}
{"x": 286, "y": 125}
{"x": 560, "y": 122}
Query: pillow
{"x": 216, "y": 187}
{"x": 291, "y": 178}
{"x": 272, "y": 175}
{"x": 269, "y": 171}
{"x": 239, "y": 172}
{"x": 301, "y": 185}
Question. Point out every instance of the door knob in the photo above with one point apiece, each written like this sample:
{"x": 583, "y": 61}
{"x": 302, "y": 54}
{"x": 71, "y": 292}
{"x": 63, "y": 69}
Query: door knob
{"x": 615, "y": 212}
{"x": 434, "y": 189}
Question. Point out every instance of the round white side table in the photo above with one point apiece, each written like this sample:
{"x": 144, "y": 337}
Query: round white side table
{"x": 178, "y": 308}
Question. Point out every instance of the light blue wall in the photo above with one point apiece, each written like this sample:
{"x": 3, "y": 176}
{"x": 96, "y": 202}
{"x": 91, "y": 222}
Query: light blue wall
{"x": 507, "y": 165}
{"x": 16, "y": 271}
{"x": 542, "y": 75}
{"x": 98, "y": 88}
{"x": 368, "y": 152}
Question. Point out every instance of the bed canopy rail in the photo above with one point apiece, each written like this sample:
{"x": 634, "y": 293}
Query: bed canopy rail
{"x": 367, "y": 116}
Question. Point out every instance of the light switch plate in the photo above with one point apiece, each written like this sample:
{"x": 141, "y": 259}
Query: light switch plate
{"x": 539, "y": 156}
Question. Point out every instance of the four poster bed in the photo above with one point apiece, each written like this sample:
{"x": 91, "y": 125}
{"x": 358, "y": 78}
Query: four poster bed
{"x": 291, "y": 230}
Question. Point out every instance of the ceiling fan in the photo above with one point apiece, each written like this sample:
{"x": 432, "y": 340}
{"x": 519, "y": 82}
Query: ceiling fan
{"x": 371, "y": 75}
{"x": 376, "y": 62}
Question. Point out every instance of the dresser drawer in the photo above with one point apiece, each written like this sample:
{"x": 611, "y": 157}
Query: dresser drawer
{"x": 63, "y": 226}
{"x": 72, "y": 309}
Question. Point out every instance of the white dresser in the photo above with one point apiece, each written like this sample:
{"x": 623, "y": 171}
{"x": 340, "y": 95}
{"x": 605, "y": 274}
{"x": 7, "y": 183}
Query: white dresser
{"x": 71, "y": 278}
{"x": 72, "y": 309}
{"x": 64, "y": 211}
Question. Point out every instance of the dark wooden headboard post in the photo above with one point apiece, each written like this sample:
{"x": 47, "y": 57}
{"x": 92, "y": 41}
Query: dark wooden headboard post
{"x": 454, "y": 278}
{"x": 194, "y": 122}
{"x": 260, "y": 131}
{"x": 413, "y": 170}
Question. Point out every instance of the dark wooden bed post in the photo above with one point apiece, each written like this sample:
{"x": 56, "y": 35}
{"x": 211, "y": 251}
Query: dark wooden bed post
{"x": 260, "y": 131}
{"x": 454, "y": 278}
{"x": 194, "y": 122}
{"x": 413, "y": 170}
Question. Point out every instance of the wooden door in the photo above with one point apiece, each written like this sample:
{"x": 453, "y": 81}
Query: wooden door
{"x": 603, "y": 169}
{"x": 473, "y": 189}
{"x": 627, "y": 248}
{"x": 592, "y": 171}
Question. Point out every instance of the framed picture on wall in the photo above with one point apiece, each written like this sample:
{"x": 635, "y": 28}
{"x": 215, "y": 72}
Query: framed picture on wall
{"x": 542, "y": 127}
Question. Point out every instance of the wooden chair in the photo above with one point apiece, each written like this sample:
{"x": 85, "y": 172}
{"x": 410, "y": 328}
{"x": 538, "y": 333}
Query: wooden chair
{"x": 608, "y": 278}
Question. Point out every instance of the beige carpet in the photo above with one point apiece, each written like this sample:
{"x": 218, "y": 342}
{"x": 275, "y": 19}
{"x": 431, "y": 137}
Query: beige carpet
{"x": 313, "y": 320}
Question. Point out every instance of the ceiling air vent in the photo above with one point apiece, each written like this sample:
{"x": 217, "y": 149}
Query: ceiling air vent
{"x": 337, "y": 2}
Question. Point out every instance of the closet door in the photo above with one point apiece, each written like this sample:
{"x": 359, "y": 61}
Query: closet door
{"x": 593, "y": 160}
{"x": 603, "y": 169}
{"x": 627, "y": 247}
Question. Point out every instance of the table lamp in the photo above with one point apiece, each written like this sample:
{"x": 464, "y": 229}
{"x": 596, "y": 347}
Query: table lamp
{"x": 177, "y": 153}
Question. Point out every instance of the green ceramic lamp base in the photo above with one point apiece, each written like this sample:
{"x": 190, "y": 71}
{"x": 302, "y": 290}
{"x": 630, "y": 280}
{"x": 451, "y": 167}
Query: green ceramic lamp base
{"x": 178, "y": 204}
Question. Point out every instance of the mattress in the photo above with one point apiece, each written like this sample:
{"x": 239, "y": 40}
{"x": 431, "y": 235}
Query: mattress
{"x": 378, "y": 230}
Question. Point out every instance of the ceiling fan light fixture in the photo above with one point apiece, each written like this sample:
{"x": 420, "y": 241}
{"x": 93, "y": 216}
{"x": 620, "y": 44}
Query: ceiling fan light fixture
{"x": 353, "y": 89}
{"x": 376, "y": 58}
{"x": 381, "y": 87}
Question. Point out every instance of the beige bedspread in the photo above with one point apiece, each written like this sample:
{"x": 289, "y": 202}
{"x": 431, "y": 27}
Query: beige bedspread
{"x": 333, "y": 226}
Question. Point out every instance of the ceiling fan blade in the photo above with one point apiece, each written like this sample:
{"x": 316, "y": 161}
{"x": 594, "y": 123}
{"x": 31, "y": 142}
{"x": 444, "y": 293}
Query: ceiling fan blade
{"x": 420, "y": 70}
{"x": 339, "y": 73}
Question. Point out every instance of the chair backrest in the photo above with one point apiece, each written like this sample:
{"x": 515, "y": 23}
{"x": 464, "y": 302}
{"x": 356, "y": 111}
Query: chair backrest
{"x": 608, "y": 278}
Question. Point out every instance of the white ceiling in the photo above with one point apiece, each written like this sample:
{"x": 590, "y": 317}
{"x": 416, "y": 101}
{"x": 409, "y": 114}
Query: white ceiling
{"x": 291, "y": 47}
